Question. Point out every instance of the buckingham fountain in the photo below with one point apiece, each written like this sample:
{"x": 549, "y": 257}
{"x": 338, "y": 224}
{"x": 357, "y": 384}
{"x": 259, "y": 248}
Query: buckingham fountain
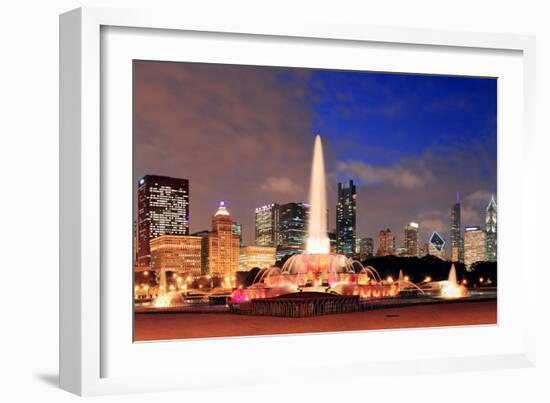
{"x": 317, "y": 270}
{"x": 317, "y": 281}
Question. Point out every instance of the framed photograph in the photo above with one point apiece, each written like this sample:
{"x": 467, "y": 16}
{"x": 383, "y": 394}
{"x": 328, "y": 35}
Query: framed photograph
{"x": 275, "y": 196}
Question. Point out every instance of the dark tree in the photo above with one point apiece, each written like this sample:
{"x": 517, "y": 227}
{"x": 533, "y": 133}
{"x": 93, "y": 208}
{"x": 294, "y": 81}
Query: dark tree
{"x": 428, "y": 266}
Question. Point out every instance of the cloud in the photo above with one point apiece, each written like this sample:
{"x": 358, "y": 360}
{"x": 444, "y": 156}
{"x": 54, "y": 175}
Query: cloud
{"x": 244, "y": 135}
{"x": 479, "y": 196}
{"x": 423, "y": 188}
{"x": 280, "y": 185}
{"x": 228, "y": 129}
{"x": 430, "y": 225}
{"x": 473, "y": 207}
{"x": 397, "y": 176}
{"x": 433, "y": 220}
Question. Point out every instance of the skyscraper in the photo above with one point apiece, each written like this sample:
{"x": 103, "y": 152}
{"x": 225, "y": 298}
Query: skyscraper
{"x": 346, "y": 218}
{"x": 267, "y": 225}
{"x": 366, "y": 248}
{"x": 474, "y": 245}
{"x": 237, "y": 229}
{"x": 292, "y": 228}
{"x": 456, "y": 236}
{"x": 436, "y": 246}
{"x": 163, "y": 209}
{"x": 491, "y": 231}
{"x": 221, "y": 247}
{"x": 411, "y": 239}
{"x": 386, "y": 243}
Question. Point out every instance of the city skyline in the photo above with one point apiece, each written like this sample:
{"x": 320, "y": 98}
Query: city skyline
{"x": 281, "y": 194}
{"x": 268, "y": 227}
{"x": 270, "y": 121}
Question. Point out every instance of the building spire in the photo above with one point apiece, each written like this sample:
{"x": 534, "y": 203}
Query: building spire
{"x": 492, "y": 204}
{"x": 222, "y": 210}
{"x": 457, "y": 197}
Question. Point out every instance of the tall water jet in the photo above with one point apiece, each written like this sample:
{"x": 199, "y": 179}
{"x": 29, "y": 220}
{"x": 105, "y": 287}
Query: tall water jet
{"x": 163, "y": 299}
{"x": 317, "y": 239}
{"x": 452, "y": 275}
{"x": 317, "y": 270}
{"x": 451, "y": 288}
{"x": 162, "y": 282}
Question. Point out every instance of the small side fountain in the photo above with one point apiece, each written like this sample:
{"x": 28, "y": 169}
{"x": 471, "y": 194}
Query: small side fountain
{"x": 448, "y": 289}
{"x": 451, "y": 289}
{"x": 405, "y": 284}
{"x": 166, "y": 299}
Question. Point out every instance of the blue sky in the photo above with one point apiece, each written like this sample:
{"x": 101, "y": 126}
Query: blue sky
{"x": 401, "y": 114}
{"x": 244, "y": 134}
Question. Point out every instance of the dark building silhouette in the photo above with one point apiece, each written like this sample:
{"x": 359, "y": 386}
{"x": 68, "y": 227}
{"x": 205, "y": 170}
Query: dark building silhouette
{"x": 491, "y": 231}
{"x": 293, "y": 219}
{"x": 346, "y": 211}
{"x": 457, "y": 249}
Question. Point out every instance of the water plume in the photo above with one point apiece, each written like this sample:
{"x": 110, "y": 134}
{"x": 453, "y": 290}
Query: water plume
{"x": 317, "y": 239}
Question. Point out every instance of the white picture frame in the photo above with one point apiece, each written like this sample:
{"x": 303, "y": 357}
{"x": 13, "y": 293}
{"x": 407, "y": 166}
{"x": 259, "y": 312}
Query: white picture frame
{"x": 85, "y": 188}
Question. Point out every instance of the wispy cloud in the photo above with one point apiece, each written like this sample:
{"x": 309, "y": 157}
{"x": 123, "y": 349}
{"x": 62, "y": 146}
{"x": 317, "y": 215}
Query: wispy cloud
{"x": 244, "y": 135}
{"x": 226, "y": 129}
{"x": 473, "y": 207}
{"x": 397, "y": 176}
{"x": 279, "y": 184}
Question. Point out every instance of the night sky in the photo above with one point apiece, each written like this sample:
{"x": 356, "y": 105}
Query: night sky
{"x": 244, "y": 134}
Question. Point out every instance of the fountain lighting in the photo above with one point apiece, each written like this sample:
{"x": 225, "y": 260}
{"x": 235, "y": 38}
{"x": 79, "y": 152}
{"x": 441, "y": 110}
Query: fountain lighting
{"x": 451, "y": 289}
{"x": 317, "y": 270}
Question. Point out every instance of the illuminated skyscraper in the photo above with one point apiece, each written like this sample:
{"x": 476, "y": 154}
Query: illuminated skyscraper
{"x": 135, "y": 243}
{"x": 267, "y": 225}
{"x": 474, "y": 245}
{"x": 292, "y": 231}
{"x": 221, "y": 247}
{"x": 436, "y": 246}
{"x": 491, "y": 231}
{"x": 411, "y": 239}
{"x": 346, "y": 218}
{"x": 386, "y": 243}
{"x": 163, "y": 209}
{"x": 456, "y": 236}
